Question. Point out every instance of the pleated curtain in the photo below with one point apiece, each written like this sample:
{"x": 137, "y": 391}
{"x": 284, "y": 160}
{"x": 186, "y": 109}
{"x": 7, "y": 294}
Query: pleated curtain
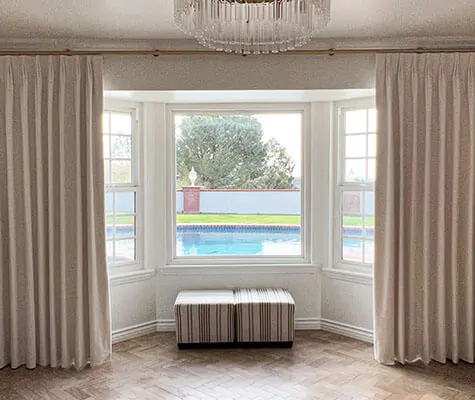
{"x": 425, "y": 202}
{"x": 54, "y": 295}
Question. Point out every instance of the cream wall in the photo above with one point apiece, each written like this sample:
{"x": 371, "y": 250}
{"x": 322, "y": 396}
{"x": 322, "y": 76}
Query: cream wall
{"x": 229, "y": 72}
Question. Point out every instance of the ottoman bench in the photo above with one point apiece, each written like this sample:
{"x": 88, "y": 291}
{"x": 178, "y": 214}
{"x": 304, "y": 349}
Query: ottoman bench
{"x": 204, "y": 317}
{"x": 243, "y": 317}
{"x": 264, "y": 317}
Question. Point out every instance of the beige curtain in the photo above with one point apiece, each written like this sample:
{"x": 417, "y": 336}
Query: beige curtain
{"x": 54, "y": 296}
{"x": 425, "y": 202}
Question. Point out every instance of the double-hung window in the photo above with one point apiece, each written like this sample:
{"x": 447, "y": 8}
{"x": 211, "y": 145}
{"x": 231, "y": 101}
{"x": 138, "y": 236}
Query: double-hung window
{"x": 121, "y": 182}
{"x": 354, "y": 192}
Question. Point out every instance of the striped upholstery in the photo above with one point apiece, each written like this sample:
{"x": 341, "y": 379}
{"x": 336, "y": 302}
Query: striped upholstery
{"x": 264, "y": 315}
{"x": 205, "y": 316}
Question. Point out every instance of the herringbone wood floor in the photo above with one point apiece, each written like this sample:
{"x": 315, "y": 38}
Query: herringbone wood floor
{"x": 320, "y": 366}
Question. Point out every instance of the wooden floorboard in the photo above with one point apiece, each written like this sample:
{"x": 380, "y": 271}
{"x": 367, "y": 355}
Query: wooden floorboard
{"x": 321, "y": 365}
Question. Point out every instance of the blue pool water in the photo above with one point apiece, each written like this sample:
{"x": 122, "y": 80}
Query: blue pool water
{"x": 238, "y": 243}
{"x": 238, "y": 240}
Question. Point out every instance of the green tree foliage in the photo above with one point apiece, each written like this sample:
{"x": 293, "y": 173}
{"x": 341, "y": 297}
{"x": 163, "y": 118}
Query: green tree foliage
{"x": 228, "y": 152}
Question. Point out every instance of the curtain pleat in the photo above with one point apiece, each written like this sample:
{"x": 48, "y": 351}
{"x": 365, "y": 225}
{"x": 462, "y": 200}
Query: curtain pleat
{"x": 425, "y": 200}
{"x": 54, "y": 299}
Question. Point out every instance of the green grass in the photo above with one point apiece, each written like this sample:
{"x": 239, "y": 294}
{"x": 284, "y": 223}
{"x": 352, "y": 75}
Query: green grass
{"x": 237, "y": 219}
{"x": 245, "y": 219}
{"x": 120, "y": 219}
{"x": 358, "y": 221}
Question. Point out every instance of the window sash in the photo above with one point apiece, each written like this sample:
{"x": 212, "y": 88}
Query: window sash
{"x": 343, "y": 185}
{"x": 246, "y": 109}
{"x": 125, "y": 187}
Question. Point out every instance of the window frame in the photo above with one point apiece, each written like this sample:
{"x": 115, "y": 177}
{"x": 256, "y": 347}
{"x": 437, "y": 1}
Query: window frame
{"x": 340, "y": 185}
{"x": 115, "y": 106}
{"x": 306, "y": 213}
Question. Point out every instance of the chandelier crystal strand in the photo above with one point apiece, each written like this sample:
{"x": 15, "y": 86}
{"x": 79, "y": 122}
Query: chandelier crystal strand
{"x": 252, "y": 26}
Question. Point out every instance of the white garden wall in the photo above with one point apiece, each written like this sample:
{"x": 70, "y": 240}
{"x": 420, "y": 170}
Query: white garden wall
{"x": 179, "y": 201}
{"x": 246, "y": 202}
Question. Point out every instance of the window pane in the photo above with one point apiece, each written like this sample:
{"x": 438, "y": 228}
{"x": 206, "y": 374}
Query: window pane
{"x": 352, "y": 250}
{"x": 109, "y": 227}
{"x": 110, "y": 251}
{"x": 356, "y": 121}
{"x": 225, "y": 167}
{"x": 125, "y": 202}
{"x": 369, "y": 251}
{"x": 121, "y": 123}
{"x": 369, "y": 227}
{"x": 121, "y": 146}
{"x": 107, "y": 172}
{"x": 355, "y": 170}
{"x": 125, "y": 226}
{"x": 369, "y": 203}
{"x": 124, "y": 250}
{"x": 372, "y": 120}
{"x": 372, "y": 145}
{"x": 105, "y": 122}
{"x": 371, "y": 169}
{"x": 121, "y": 172}
{"x": 106, "y": 146}
{"x": 109, "y": 203}
{"x": 355, "y": 146}
{"x": 352, "y": 203}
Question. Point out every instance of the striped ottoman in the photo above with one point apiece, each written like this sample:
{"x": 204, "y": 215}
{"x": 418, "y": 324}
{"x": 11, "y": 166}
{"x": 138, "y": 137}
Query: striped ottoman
{"x": 264, "y": 317}
{"x": 204, "y": 317}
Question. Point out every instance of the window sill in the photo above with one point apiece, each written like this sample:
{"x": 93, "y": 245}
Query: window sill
{"x": 349, "y": 276}
{"x": 239, "y": 269}
{"x": 131, "y": 277}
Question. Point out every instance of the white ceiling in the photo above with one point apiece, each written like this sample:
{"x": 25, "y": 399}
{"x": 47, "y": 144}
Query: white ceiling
{"x": 153, "y": 19}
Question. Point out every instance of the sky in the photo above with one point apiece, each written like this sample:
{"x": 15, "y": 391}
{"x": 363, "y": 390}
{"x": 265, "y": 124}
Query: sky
{"x": 286, "y": 128}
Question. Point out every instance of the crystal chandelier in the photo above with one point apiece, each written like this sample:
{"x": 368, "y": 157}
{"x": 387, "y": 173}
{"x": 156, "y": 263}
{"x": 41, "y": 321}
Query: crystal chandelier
{"x": 252, "y": 26}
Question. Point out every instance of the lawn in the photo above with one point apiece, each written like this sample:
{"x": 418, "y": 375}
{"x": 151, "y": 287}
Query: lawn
{"x": 357, "y": 221}
{"x": 245, "y": 219}
{"x": 257, "y": 219}
{"x": 237, "y": 219}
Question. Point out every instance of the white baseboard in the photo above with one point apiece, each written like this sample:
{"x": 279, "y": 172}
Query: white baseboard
{"x": 307, "y": 324}
{"x": 134, "y": 331}
{"x": 301, "y": 324}
{"x": 355, "y": 332}
{"x": 166, "y": 325}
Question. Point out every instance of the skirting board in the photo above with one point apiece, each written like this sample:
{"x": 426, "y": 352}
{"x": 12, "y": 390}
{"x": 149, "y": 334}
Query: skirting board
{"x": 301, "y": 324}
{"x": 134, "y": 331}
{"x": 354, "y": 332}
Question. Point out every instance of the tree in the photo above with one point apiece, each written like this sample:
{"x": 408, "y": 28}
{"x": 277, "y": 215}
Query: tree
{"x": 228, "y": 151}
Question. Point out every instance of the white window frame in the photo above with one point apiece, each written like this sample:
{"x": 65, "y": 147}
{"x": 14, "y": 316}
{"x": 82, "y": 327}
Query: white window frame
{"x": 136, "y": 186}
{"x": 306, "y": 189}
{"x": 340, "y": 185}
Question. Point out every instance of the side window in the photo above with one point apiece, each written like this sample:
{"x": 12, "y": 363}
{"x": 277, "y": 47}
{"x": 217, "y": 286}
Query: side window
{"x": 121, "y": 181}
{"x": 355, "y": 185}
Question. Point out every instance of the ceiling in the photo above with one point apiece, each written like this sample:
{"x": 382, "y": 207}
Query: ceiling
{"x": 153, "y": 19}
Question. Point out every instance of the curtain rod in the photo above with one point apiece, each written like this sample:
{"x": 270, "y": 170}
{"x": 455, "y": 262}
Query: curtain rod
{"x": 157, "y": 53}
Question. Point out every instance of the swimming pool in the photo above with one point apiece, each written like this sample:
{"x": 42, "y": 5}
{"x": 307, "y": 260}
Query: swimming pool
{"x": 237, "y": 243}
{"x": 276, "y": 240}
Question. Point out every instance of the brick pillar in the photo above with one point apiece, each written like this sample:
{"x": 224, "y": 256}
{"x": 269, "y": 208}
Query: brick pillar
{"x": 191, "y": 199}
